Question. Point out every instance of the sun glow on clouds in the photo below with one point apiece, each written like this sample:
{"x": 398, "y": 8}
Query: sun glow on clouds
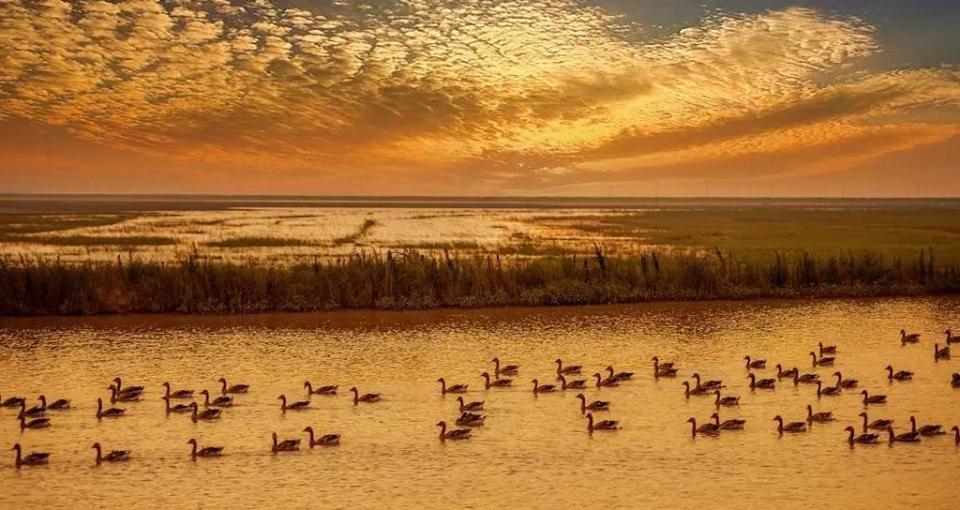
{"x": 523, "y": 95}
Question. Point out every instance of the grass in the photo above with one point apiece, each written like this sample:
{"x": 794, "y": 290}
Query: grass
{"x": 258, "y": 242}
{"x": 361, "y": 232}
{"x": 92, "y": 240}
{"x": 16, "y": 224}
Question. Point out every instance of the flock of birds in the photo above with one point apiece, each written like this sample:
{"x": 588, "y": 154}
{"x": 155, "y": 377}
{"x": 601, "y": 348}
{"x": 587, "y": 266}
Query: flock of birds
{"x": 470, "y": 417}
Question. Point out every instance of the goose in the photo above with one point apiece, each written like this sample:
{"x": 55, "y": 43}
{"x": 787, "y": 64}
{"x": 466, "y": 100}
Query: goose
{"x": 862, "y": 438}
{"x": 596, "y": 405}
{"x": 900, "y": 375}
{"x": 763, "y": 384}
{"x": 827, "y": 349}
{"x": 471, "y": 406}
{"x": 830, "y": 391}
{"x": 129, "y": 389}
{"x": 453, "y": 435}
{"x": 823, "y": 361}
{"x": 324, "y": 440}
{"x": 287, "y": 445}
{"x": 578, "y": 384}
{"x": 499, "y": 383}
{"x": 732, "y": 424}
{"x": 618, "y": 376}
{"x": 177, "y": 393}
{"x": 911, "y": 338}
{"x": 906, "y": 437}
{"x": 663, "y": 369}
{"x": 470, "y": 419}
{"x": 781, "y": 373}
{"x": 845, "y": 384}
{"x": 794, "y": 426}
{"x": 955, "y": 380}
{"x": 36, "y": 423}
{"x": 299, "y": 405}
{"x": 950, "y": 338}
{"x": 875, "y": 424}
{"x": 115, "y": 396}
{"x": 543, "y": 388}
{"x": 179, "y": 408}
{"x": 507, "y": 370}
{"x": 956, "y": 435}
{"x": 707, "y": 429}
{"x": 820, "y": 417}
{"x": 112, "y": 412}
{"x": 805, "y": 378}
{"x": 112, "y": 456}
{"x": 728, "y": 401}
{"x": 456, "y": 388}
{"x": 220, "y": 401}
{"x": 709, "y": 385}
{"x": 601, "y": 425}
{"x": 31, "y": 412}
{"x": 873, "y": 399}
{"x": 605, "y": 383}
{"x": 926, "y": 430}
{"x": 940, "y": 353}
{"x": 755, "y": 363}
{"x": 13, "y": 402}
{"x": 57, "y": 405}
{"x": 236, "y": 388}
{"x": 367, "y": 398}
{"x": 322, "y": 390}
{"x": 206, "y": 414}
{"x": 35, "y": 458}
{"x": 699, "y": 390}
{"x": 205, "y": 452}
{"x": 567, "y": 370}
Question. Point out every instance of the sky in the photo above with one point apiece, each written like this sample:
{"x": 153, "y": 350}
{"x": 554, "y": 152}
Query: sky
{"x": 481, "y": 97}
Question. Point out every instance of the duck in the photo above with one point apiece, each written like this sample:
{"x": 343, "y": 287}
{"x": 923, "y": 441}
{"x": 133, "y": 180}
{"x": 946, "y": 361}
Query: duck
{"x": 469, "y": 419}
{"x": 13, "y": 402}
{"x": 755, "y": 363}
{"x": 454, "y": 434}
{"x": 864, "y": 438}
{"x": 179, "y": 408}
{"x": 367, "y": 398}
{"x": 926, "y": 430}
{"x": 781, "y": 373}
{"x": 951, "y": 339}
{"x": 845, "y": 384}
{"x": 321, "y": 390}
{"x": 601, "y": 425}
{"x": 206, "y": 414}
{"x": 499, "y": 383}
{"x": 113, "y": 412}
{"x": 910, "y": 338}
{"x": 940, "y": 353}
{"x": 324, "y": 440}
{"x": 763, "y": 384}
{"x": 176, "y": 394}
{"x": 578, "y": 384}
{"x": 663, "y": 369}
{"x": 875, "y": 424}
{"x": 220, "y": 401}
{"x": 31, "y": 412}
{"x": 618, "y": 376}
{"x": 709, "y": 385}
{"x": 830, "y": 391}
{"x": 596, "y": 405}
{"x": 507, "y": 370}
{"x": 456, "y": 388}
{"x": 873, "y": 399}
{"x": 727, "y": 401}
{"x": 707, "y": 429}
{"x": 567, "y": 370}
{"x": 470, "y": 406}
{"x": 112, "y": 456}
{"x": 57, "y": 405}
{"x": 900, "y": 375}
{"x": 205, "y": 452}
{"x": 906, "y": 437}
{"x": 34, "y": 458}
{"x": 805, "y": 378}
{"x": 820, "y": 417}
{"x": 116, "y": 396}
{"x": 733, "y": 424}
{"x": 956, "y": 435}
{"x": 827, "y": 349}
{"x": 35, "y": 423}
{"x": 823, "y": 361}
{"x": 794, "y": 426}
{"x": 543, "y": 388}
{"x": 287, "y": 445}
{"x": 236, "y": 388}
{"x": 698, "y": 390}
{"x": 129, "y": 389}
{"x": 294, "y": 406}
{"x": 605, "y": 383}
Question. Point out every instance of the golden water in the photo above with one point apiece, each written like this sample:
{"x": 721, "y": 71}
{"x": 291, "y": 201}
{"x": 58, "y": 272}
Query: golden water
{"x": 533, "y": 452}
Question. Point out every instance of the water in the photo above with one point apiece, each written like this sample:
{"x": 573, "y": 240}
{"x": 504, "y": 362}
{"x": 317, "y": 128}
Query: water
{"x": 533, "y": 452}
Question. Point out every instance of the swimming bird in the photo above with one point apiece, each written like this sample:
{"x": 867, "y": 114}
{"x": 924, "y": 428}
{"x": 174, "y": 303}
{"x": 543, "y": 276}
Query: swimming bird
{"x": 179, "y": 408}
{"x": 926, "y": 430}
{"x": 618, "y": 376}
{"x": 13, "y": 402}
{"x": 663, "y": 369}
{"x": 956, "y": 435}
{"x": 456, "y": 388}
{"x": 707, "y": 429}
{"x": 112, "y": 412}
{"x": 708, "y": 385}
{"x": 499, "y": 383}
{"x": 287, "y": 445}
{"x": 295, "y": 406}
{"x": 367, "y": 398}
{"x": 471, "y": 406}
{"x": 577, "y": 384}
{"x": 567, "y": 370}
{"x": 906, "y": 437}
{"x": 236, "y": 388}
{"x": 57, "y": 405}
{"x": 129, "y": 389}
{"x": 951, "y": 339}
{"x": 900, "y": 375}
{"x": 781, "y": 373}
{"x": 875, "y": 424}
{"x": 205, "y": 452}
{"x": 321, "y": 390}
{"x": 830, "y": 391}
{"x": 794, "y": 426}
{"x": 755, "y": 363}
{"x": 115, "y": 396}
{"x": 698, "y": 390}
{"x": 31, "y": 412}
{"x": 845, "y": 384}
{"x": 543, "y": 388}
{"x": 470, "y": 419}
{"x": 506, "y": 370}
{"x": 805, "y": 378}
{"x": 596, "y": 405}
{"x": 112, "y": 456}
{"x": 955, "y": 380}
{"x": 35, "y": 458}
{"x": 873, "y": 399}
{"x": 605, "y": 383}
{"x": 827, "y": 349}
{"x": 862, "y": 438}
{"x": 820, "y": 417}
{"x": 601, "y": 425}
{"x": 823, "y": 361}
{"x": 220, "y": 401}
{"x": 324, "y": 440}
{"x": 206, "y": 414}
{"x": 727, "y": 401}
{"x": 732, "y": 424}
{"x": 178, "y": 393}
{"x": 663, "y": 364}
{"x": 453, "y": 435}
{"x": 36, "y": 423}
{"x": 763, "y": 384}
{"x": 911, "y": 338}
{"x": 940, "y": 353}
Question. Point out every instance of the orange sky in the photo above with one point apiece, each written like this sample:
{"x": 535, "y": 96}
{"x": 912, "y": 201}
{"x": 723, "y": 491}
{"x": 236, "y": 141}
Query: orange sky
{"x": 536, "y": 97}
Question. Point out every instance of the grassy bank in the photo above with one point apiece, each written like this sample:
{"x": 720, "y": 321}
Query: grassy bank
{"x": 411, "y": 280}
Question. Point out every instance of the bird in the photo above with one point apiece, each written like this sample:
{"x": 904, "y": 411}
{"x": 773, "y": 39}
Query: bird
{"x": 755, "y": 363}
{"x": 955, "y": 380}
{"x": 687, "y": 391}
{"x": 763, "y": 384}
{"x": 605, "y": 383}
{"x": 864, "y": 438}
{"x": 179, "y": 408}
{"x": 36, "y": 423}
{"x": 900, "y": 375}
{"x": 845, "y": 384}
{"x": 926, "y": 430}
{"x": 31, "y": 412}
{"x": 324, "y": 440}
{"x": 206, "y": 451}
{"x": 577, "y": 384}
{"x": 906, "y": 437}
{"x": 663, "y": 364}
{"x": 236, "y": 388}
{"x": 707, "y": 429}
{"x": 951, "y": 339}
{"x": 112, "y": 456}
{"x": 663, "y": 369}
{"x": 456, "y": 388}
{"x": 596, "y": 405}
{"x": 453, "y": 435}
{"x": 781, "y": 373}
{"x": 470, "y": 419}
{"x": 911, "y": 338}
{"x": 805, "y": 378}
{"x": 823, "y": 361}
{"x": 116, "y": 396}
{"x": 287, "y": 445}
{"x": 820, "y": 417}
{"x": 13, "y": 402}
{"x": 506, "y": 370}
{"x": 709, "y": 385}
{"x": 794, "y": 426}
{"x": 499, "y": 383}
{"x": 294, "y": 406}
{"x": 567, "y": 370}
{"x": 367, "y": 398}
{"x": 542, "y": 388}
{"x": 321, "y": 390}
{"x": 733, "y": 424}
{"x": 129, "y": 389}
{"x": 873, "y": 399}
{"x": 956, "y": 435}
{"x": 727, "y": 401}
{"x": 471, "y": 406}
{"x": 177, "y": 393}
{"x": 618, "y": 376}
{"x": 827, "y": 349}
{"x": 206, "y": 414}
{"x": 37, "y": 458}
{"x": 830, "y": 391}
{"x": 940, "y": 353}
{"x": 875, "y": 424}
{"x": 220, "y": 401}
{"x": 601, "y": 425}
{"x": 57, "y": 405}
{"x": 113, "y": 412}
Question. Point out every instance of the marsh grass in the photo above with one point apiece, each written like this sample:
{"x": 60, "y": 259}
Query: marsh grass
{"x": 361, "y": 232}
{"x": 258, "y": 242}
{"x": 78, "y": 240}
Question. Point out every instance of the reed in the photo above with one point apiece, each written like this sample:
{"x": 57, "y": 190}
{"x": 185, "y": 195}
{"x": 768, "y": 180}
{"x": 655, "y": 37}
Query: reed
{"x": 415, "y": 280}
